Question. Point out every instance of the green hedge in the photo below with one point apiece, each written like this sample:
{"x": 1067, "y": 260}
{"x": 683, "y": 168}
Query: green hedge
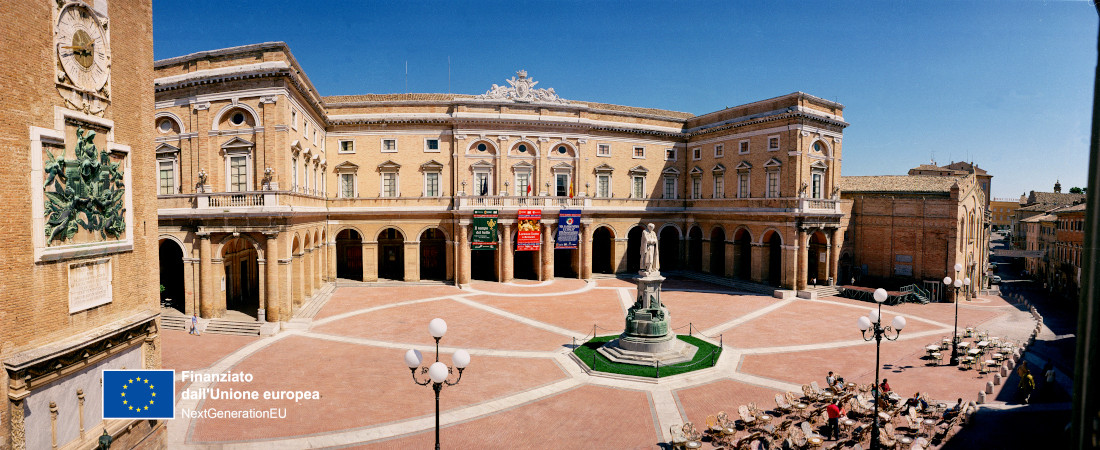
{"x": 706, "y": 356}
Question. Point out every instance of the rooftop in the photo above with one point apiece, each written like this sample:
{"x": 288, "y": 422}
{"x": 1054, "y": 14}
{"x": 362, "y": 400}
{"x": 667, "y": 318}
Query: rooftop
{"x": 898, "y": 183}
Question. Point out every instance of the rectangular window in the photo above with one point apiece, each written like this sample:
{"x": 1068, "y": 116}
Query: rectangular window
{"x": 638, "y": 190}
{"x": 294, "y": 172}
{"x": 347, "y": 185}
{"x": 603, "y": 150}
{"x": 696, "y": 187}
{"x": 562, "y": 184}
{"x": 718, "y": 151}
{"x": 305, "y": 176}
{"x": 431, "y": 184}
{"x": 389, "y": 145}
{"x": 431, "y": 145}
{"x": 816, "y": 191}
{"x": 773, "y": 143}
{"x": 238, "y": 173}
{"x": 719, "y": 186}
{"x": 167, "y": 177}
{"x": 389, "y": 184}
{"x": 315, "y": 140}
{"x": 743, "y": 185}
{"x": 603, "y": 185}
{"x": 696, "y": 154}
{"x": 523, "y": 183}
{"x": 481, "y": 183}
{"x": 670, "y": 154}
{"x": 639, "y": 152}
{"x": 773, "y": 184}
{"x": 743, "y": 147}
{"x": 305, "y": 129}
{"x": 294, "y": 119}
{"x": 347, "y": 146}
{"x": 670, "y": 187}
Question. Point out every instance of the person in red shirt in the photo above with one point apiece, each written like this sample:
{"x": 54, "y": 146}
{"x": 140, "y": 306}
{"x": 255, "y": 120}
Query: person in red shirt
{"x": 885, "y": 386}
{"x": 835, "y": 412}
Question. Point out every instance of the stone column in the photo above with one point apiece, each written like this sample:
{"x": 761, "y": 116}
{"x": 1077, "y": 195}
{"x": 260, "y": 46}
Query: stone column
{"x": 586, "y": 250}
{"x": 620, "y": 256}
{"x": 731, "y": 257}
{"x": 412, "y": 261}
{"x": 802, "y": 261}
{"x": 308, "y": 270}
{"x": 206, "y": 277}
{"x": 835, "y": 245}
{"x": 271, "y": 266}
{"x": 506, "y": 253}
{"x": 547, "y": 253}
{"x": 756, "y": 270}
{"x": 463, "y": 272}
{"x": 789, "y": 280}
{"x": 370, "y": 261}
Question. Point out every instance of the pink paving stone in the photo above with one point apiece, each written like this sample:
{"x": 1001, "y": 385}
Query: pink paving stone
{"x": 805, "y": 323}
{"x": 359, "y": 386}
{"x": 615, "y": 283}
{"x": 709, "y": 399}
{"x": 467, "y": 327}
{"x": 529, "y": 287}
{"x": 577, "y": 312}
{"x": 704, "y": 310}
{"x": 581, "y": 418}
{"x": 184, "y": 351}
{"x": 348, "y": 299}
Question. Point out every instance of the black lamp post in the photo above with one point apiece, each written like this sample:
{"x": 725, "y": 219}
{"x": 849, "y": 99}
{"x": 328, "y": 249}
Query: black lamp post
{"x": 437, "y": 372}
{"x": 873, "y": 322}
{"x": 954, "y": 361}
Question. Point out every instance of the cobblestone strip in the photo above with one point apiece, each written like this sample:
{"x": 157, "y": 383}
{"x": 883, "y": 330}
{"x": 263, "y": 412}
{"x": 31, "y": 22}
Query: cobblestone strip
{"x": 430, "y": 348}
{"x": 519, "y": 318}
{"x": 747, "y": 317}
{"x": 182, "y": 426}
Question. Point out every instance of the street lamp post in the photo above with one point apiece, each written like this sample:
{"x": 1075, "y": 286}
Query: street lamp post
{"x": 873, "y": 322}
{"x": 437, "y": 372}
{"x": 954, "y": 361}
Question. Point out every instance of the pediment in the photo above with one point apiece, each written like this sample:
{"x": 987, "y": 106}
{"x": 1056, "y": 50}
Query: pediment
{"x": 237, "y": 143}
{"x": 431, "y": 166}
{"x": 718, "y": 168}
{"x": 773, "y": 163}
{"x": 604, "y": 168}
{"x": 696, "y": 170}
{"x": 639, "y": 169}
{"x": 819, "y": 165}
{"x": 346, "y": 166}
{"x": 482, "y": 164}
{"x": 562, "y": 166}
{"x": 165, "y": 149}
{"x": 670, "y": 171}
{"x": 389, "y": 165}
{"x": 523, "y": 165}
{"x": 743, "y": 165}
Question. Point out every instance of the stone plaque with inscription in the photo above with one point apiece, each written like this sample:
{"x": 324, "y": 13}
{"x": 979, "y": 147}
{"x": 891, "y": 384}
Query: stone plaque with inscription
{"x": 89, "y": 284}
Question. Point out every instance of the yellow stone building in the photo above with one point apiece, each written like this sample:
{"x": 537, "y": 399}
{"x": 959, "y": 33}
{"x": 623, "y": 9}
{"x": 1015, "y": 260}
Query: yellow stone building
{"x": 1002, "y": 211}
{"x": 269, "y": 190}
{"x": 80, "y": 220}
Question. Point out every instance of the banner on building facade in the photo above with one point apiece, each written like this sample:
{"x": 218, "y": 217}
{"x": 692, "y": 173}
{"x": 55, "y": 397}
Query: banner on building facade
{"x": 485, "y": 230}
{"x": 569, "y": 228}
{"x": 527, "y": 236}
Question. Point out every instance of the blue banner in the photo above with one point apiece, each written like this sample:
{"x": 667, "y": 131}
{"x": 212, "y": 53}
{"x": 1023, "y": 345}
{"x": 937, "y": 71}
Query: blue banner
{"x": 569, "y": 228}
{"x": 139, "y": 394}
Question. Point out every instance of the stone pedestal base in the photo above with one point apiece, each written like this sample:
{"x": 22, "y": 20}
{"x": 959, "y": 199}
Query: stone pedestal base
{"x": 649, "y": 352}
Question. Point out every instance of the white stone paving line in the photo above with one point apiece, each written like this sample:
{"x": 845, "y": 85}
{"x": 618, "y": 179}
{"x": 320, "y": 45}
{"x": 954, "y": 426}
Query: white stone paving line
{"x": 747, "y": 317}
{"x": 365, "y": 435}
{"x": 667, "y": 413}
{"x": 182, "y": 425}
{"x": 871, "y": 306}
{"x": 588, "y": 286}
{"x": 375, "y": 308}
{"x": 837, "y": 344}
{"x": 431, "y": 347}
{"x": 541, "y": 283}
{"x": 624, "y": 298}
{"x": 519, "y": 318}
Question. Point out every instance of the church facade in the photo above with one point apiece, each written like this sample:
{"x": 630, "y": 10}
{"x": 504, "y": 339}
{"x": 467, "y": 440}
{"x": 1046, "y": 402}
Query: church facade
{"x": 267, "y": 190}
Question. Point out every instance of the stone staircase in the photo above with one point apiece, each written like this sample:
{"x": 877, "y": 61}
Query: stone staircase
{"x": 222, "y": 326}
{"x": 174, "y": 322}
{"x": 344, "y": 282}
{"x": 824, "y": 291}
{"x": 740, "y": 285}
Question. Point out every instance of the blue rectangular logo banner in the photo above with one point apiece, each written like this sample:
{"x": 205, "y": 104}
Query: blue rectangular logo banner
{"x": 139, "y": 394}
{"x": 569, "y": 229}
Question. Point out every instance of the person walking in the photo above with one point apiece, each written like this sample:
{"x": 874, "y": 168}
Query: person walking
{"x": 835, "y": 412}
{"x": 1048, "y": 381}
{"x": 194, "y": 324}
{"x": 1027, "y": 384}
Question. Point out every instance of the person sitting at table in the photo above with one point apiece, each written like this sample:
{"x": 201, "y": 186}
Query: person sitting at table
{"x": 830, "y": 379}
{"x": 953, "y": 411}
{"x": 884, "y": 386}
{"x": 916, "y": 402}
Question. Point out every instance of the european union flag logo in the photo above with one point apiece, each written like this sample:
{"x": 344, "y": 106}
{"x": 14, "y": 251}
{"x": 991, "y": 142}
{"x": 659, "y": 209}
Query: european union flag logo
{"x": 139, "y": 394}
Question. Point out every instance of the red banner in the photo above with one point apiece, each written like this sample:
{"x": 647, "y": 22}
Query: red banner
{"x": 527, "y": 237}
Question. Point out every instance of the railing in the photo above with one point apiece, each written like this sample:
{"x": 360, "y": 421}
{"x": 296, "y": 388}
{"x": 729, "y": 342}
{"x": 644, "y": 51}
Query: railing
{"x": 509, "y": 201}
{"x": 236, "y": 200}
{"x": 819, "y": 204}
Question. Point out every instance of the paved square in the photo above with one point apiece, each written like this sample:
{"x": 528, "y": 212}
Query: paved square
{"x": 522, "y": 390}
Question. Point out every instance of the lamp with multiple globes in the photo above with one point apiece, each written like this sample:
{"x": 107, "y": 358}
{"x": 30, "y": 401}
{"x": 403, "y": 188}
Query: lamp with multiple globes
{"x": 873, "y": 322}
{"x": 958, "y": 284}
{"x": 437, "y": 372}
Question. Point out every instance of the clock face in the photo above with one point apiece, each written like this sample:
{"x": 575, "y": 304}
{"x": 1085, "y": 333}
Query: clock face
{"x": 82, "y": 48}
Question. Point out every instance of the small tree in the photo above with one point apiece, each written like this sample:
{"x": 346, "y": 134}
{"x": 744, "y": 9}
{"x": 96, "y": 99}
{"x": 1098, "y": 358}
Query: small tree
{"x": 1077, "y": 190}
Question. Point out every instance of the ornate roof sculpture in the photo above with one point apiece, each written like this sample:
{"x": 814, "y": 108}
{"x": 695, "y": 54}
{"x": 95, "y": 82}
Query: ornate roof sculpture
{"x": 523, "y": 91}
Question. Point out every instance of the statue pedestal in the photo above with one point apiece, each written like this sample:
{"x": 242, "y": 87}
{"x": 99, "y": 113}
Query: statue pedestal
{"x": 647, "y": 339}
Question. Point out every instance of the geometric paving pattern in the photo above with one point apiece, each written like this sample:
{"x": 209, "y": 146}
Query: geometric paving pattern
{"x": 522, "y": 390}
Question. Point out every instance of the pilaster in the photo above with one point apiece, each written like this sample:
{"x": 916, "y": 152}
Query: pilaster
{"x": 206, "y": 280}
{"x": 271, "y": 294}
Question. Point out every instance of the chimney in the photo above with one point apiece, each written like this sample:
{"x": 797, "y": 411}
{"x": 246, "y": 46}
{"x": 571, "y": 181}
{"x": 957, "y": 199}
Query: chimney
{"x": 1057, "y": 186}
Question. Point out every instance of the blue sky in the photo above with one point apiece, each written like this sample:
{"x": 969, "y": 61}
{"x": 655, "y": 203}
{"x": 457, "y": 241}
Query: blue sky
{"x": 1006, "y": 84}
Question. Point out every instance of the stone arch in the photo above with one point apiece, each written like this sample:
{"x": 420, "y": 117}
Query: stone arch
{"x": 817, "y": 244}
{"x": 240, "y": 260}
{"x": 718, "y": 251}
{"x": 634, "y": 248}
{"x": 441, "y": 228}
{"x": 391, "y": 253}
{"x": 169, "y": 237}
{"x": 603, "y": 249}
{"x": 171, "y": 253}
{"x": 177, "y": 121}
{"x": 661, "y": 229}
{"x": 828, "y": 148}
{"x": 669, "y": 241}
{"x": 246, "y": 236}
{"x": 772, "y": 240}
{"x": 571, "y": 150}
{"x": 349, "y": 253}
{"x": 742, "y": 253}
{"x": 695, "y": 248}
{"x": 296, "y": 270}
{"x": 532, "y": 148}
{"x": 236, "y": 105}
{"x": 773, "y": 230}
{"x": 432, "y": 243}
{"x": 473, "y": 149}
